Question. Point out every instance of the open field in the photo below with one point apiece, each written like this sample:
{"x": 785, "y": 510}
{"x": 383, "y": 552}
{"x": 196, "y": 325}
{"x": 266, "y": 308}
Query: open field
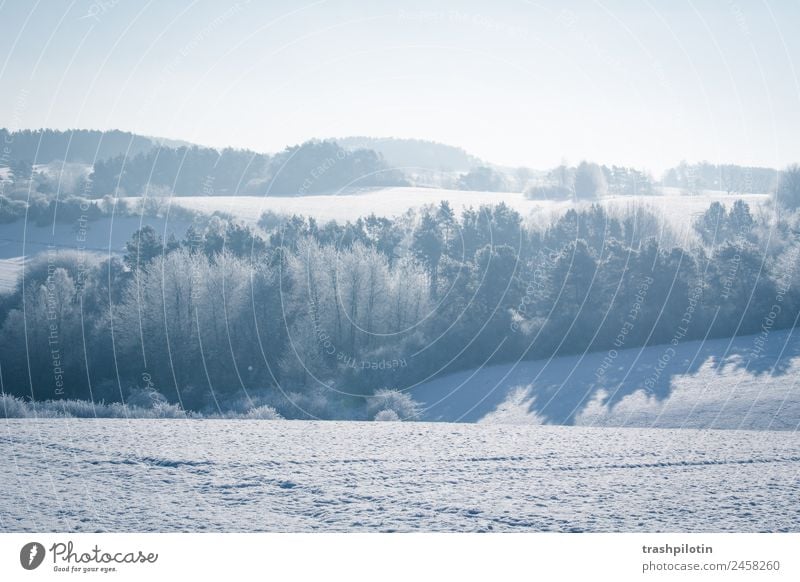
{"x": 193, "y": 475}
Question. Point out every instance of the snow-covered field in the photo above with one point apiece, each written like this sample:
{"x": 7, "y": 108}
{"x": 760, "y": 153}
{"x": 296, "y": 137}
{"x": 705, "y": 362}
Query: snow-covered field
{"x": 9, "y": 272}
{"x": 194, "y": 475}
{"x": 732, "y": 383}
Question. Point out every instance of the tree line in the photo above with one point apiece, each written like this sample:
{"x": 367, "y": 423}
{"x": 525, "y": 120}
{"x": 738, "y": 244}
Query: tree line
{"x": 312, "y": 318}
{"x": 126, "y": 164}
{"x": 733, "y": 179}
{"x": 43, "y": 146}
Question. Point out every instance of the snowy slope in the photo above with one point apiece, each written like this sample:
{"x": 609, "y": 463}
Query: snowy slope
{"x": 9, "y": 271}
{"x": 19, "y": 240}
{"x": 712, "y": 384}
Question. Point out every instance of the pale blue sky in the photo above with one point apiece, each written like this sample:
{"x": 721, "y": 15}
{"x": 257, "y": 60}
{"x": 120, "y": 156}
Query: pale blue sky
{"x": 514, "y": 82}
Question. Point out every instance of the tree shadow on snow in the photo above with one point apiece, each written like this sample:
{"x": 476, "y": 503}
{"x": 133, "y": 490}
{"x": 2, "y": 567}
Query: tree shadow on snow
{"x": 556, "y": 391}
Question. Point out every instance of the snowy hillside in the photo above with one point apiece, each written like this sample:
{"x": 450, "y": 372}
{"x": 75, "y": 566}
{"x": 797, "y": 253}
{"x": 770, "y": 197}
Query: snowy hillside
{"x": 19, "y": 240}
{"x": 9, "y": 272}
{"x": 713, "y": 384}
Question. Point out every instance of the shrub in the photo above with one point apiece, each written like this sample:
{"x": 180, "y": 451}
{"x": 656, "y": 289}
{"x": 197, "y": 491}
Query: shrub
{"x": 73, "y": 408}
{"x": 13, "y": 407}
{"x": 387, "y": 416}
{"x": 162, "y": 410}
{"x": 392, "y": 400}
{"x": 262, "y": 413}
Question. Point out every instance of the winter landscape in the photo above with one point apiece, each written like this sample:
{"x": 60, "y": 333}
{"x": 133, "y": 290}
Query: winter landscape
{"x": 269, "y": 316}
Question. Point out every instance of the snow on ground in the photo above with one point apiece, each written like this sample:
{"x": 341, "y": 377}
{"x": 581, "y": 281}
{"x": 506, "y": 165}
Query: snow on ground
{"x": 19, "y": 240}
{"x": 289, "y": 476}
{"x": 733, "y": 383}
{"x": 9, "y": 271}
{"x": 395, "y": 201}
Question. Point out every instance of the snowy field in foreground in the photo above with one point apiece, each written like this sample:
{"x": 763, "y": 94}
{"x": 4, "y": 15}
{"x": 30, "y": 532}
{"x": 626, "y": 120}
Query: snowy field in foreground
{"x": 174, "y": 475}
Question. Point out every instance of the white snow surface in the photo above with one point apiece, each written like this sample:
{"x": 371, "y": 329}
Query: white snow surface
{"x": 9, "y": 273}
{"x": 289, "y": 476}
{"x": 746, "y": 382}
{"x": 105, "y": 236}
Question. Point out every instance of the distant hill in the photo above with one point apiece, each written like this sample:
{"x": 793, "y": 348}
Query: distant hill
{"x": 414, "y": 153}
{"x": 310, "y": 168}
{"x": 166, "y": 142}
{"x": 42, "y": 146}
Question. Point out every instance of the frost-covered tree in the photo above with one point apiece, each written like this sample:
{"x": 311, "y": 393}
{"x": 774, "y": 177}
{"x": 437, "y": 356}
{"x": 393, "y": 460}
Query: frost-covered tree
{"x": 590, "y": 182}
{"x": 788, "y": 191}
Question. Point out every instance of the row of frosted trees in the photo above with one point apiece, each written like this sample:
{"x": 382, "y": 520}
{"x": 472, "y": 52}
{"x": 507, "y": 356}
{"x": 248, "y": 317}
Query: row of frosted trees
{"x": 326, "y": 314}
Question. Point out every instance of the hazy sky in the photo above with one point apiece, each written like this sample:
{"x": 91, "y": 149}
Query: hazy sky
{"x": 514, "y": 82}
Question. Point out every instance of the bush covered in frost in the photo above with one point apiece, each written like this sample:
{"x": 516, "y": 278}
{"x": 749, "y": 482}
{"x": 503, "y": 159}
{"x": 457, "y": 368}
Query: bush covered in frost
{"x": 400, "y": 403}
{"x": 387, "y": 416}
{"x": 13, "y": 407}
{"x": 262, "y": 413}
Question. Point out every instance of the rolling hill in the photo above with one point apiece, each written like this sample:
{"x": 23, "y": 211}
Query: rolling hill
{"x": 414, "y": 153}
